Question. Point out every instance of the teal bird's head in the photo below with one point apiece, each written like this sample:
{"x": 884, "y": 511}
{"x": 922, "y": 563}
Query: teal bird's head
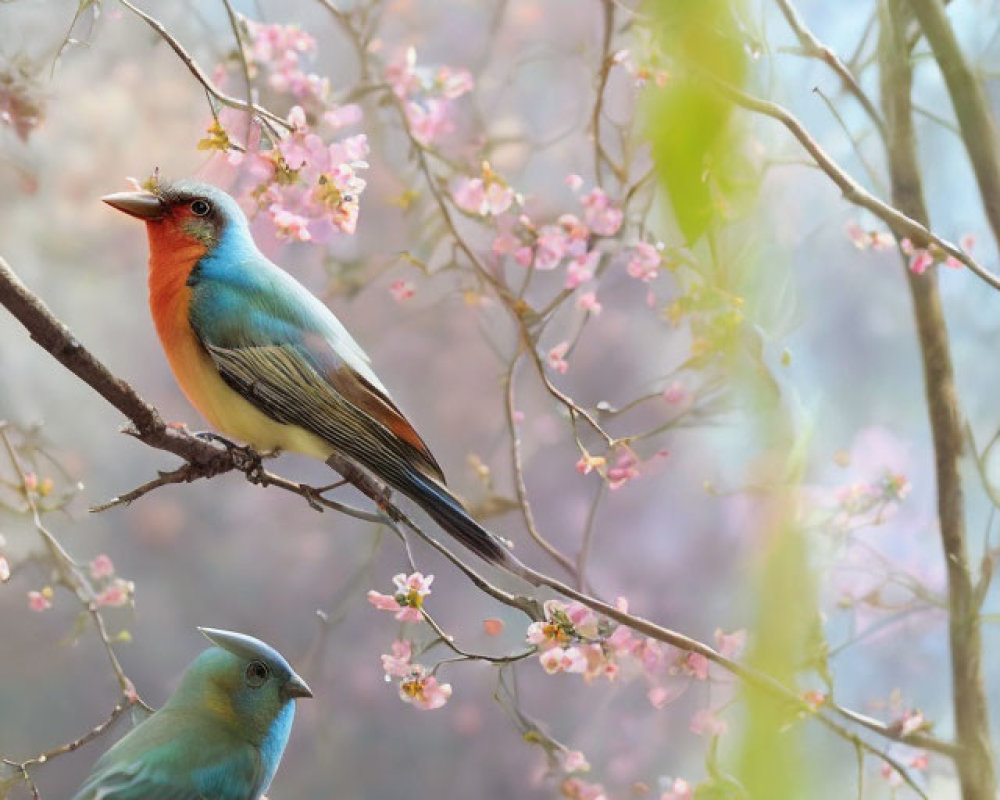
{"x": 243, "y": 683}
{"x": 180, "y": 211}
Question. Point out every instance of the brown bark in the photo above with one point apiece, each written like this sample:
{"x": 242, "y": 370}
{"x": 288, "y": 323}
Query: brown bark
{"x": 974, "y": 762}
{"x": 971, "y": 109}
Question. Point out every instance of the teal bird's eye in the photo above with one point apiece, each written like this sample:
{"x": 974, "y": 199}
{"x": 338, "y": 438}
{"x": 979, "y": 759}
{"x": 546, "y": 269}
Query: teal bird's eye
{"x": 256, "y": 674}
{"x": 200, "y": 208}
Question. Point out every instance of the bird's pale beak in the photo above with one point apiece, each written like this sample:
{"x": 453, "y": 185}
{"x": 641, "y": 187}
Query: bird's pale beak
{"x": 296, "y": 687}
{"x": 143, "y": 205}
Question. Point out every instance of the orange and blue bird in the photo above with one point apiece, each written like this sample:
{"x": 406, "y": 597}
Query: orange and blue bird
{"x": 267, "y": 363}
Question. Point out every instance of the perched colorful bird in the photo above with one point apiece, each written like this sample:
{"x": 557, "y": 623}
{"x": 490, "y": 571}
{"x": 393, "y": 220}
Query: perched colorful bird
{"x": 220, "y": 736}
{"x": 266, "y": 362}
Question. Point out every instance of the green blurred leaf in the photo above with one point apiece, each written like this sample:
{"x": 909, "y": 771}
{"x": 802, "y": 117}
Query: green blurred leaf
{"x": 697, "y": 152}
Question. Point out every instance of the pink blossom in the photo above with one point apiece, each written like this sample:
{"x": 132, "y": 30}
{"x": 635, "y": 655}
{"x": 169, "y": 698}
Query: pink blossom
{"x": 659, "y": 696}
{"x": 644, "y": 262}
{"x": 289, "y": 225}
{"x": 584, "y": 621}
{"x": 278, "y": 50}
{"x": 423, "y": 692}
{"x": 544, "y": 635}
{"x": 856, "y": 235}
{"x": 890, "y": 774}
{"x": 920, "y": 262}
{"x": 588, "y": 463}
{"x": 621, "y": 641}
{"x": 551, "y": 248}
{"x": 408, "y": 599}
{"x": 414, "y": 585}
{"x": 101, "y": 567}
{"x": 524, "y": 256}
{"x": 706, "y": 723}
{"x": 118, "y": 593}
{"x": 558, "y": 659}
{"x": 401, "y": 290}
{"x": 493, "y": 626}
{"x": 626, "y": 468}
{"x": 397, "y": 663}
{"x": 454, "y": 82}
{"x": 383, "y": 602}
{"x": 881, "y": 240}
{"x": 469, "y": 194}
{"x": 602, "y": 217}
{"x": 498, "y": 198}
{"x": 679, "y": 790}
{"x": 573, "y": 761}
{"x": 676, "y": 394}
{"x": 730, "y": 645}
{"x": 910, "y": 722}
{"x": 919, "y": 761}
{"x": 505, "y": 243}
{"x": 40, "y": 601}
{"x": 556, "y": 357}
{"x": 429, "y": 120}
{"x": 581, "y": 269}
{"x": 862, "y": 239}
{"x": 577, "y": 237}
{"x": 574, "y": 181}
{"x": 696, "y": 665}
{"x": 343, "y": 116}
{"x": 588, "y": 302}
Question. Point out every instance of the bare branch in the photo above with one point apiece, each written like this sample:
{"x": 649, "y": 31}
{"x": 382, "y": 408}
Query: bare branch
{"x": 814, "y": 48}
{"x": 199, "y": 74}
{"x": 971, "y": 106}
{"x": 902, "y": 225}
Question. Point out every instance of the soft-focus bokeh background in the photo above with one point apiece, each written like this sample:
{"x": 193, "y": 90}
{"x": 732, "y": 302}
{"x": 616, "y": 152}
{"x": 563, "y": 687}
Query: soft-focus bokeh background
{"x": 225, "y": 554}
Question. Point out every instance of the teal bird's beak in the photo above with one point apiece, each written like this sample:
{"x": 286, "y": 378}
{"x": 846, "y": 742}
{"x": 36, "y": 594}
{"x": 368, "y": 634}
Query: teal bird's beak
{"x": 296, "y": 687}
{"x": 143, "y": 205}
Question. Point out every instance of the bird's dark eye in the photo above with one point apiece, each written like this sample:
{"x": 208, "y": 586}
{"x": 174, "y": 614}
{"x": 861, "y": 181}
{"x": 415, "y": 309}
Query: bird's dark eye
{"x": 256, "y": 674}
{"x": 200, "y": 207}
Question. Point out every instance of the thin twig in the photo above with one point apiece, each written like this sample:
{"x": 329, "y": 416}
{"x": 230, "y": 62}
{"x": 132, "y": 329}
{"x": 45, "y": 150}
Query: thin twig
{"x": 199, "y": 74}
{"x": 903, "y": 225}
{"x": 814, "y": 48}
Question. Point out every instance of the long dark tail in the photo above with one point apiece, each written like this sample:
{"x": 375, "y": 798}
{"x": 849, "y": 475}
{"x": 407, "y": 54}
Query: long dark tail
{"x": 445, "y": 509}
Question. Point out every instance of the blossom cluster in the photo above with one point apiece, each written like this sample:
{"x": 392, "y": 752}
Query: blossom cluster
{"x": 417, "y": 686}
{"x": 109, "y": 588}
{"x": 920, "y": 258}
{"x": 307, "y": 183}
{"x": 427, "y": 95}
{"x": 861, "y": 498}
{"x": 573, "y": 639}
{"x": 624, "y": 468}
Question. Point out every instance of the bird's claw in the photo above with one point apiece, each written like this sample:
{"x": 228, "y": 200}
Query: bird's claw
{"x": 245, "y": 458}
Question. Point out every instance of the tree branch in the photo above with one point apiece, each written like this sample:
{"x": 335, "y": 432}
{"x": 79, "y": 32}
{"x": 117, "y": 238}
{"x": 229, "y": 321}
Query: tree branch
{"x": 902, "y": 224}
{"x": 971, "y": 107}
{"x": 974, "y": 761}
{"x": 814, "y": 48}
{"x": 208, "y": 460}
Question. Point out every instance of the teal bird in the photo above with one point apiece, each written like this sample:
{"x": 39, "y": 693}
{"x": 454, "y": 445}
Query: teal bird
{"x": 220, "y": 736}
{"x": 269, "y": 364}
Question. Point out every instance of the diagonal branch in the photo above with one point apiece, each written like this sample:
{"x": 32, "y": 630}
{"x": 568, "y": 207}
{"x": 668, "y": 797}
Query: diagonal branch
{"x": 971, "y": 105}
{"x": 814, "y": 48}
{"x": 901, "y": 224}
